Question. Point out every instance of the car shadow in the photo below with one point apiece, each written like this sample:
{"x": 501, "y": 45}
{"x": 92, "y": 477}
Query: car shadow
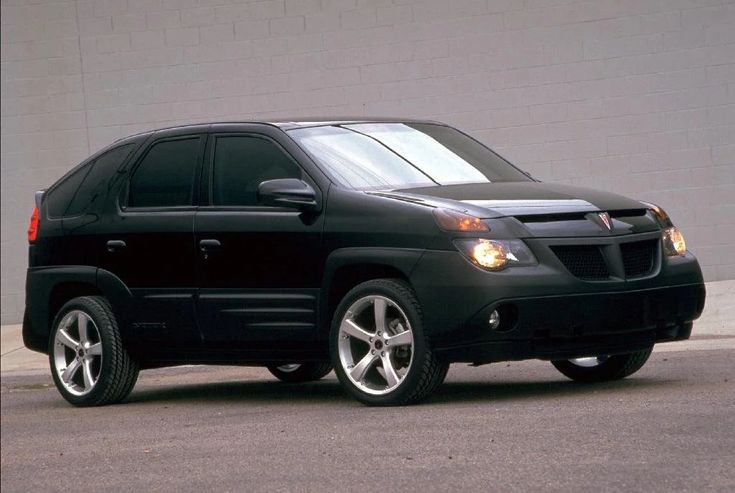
{"x": 453, "y": 392}
{"x": 267, "y": 391}
{"x": 326, "y": 391}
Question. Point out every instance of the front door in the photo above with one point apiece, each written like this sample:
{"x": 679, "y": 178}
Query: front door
{"x": 260, "y": 266}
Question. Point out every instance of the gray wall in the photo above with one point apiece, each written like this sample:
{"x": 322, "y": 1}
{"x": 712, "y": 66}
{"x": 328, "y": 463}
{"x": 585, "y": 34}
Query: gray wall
{"x": 634, "y": 96}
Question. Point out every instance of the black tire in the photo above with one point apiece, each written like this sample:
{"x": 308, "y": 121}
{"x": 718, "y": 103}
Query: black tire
{"x": 130, "y": 381}
{"x": 301, "y": 372}
{"x": 118, "y": 372}
{"x": 426, "y": 371}
{"x": 613, "y": 368}
{"x": 131, "y": 374}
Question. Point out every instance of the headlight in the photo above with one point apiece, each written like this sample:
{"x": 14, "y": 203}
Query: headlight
{"x": 495, "y": 254}
{"x": 673, "y": 239}
{"x": 674, "y": 243}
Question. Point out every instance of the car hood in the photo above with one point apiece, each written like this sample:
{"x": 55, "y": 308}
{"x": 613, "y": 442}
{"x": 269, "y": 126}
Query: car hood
{"x": 493, "y": 200}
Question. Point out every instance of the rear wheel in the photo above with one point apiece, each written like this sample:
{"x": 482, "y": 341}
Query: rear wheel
{"x": 89, "y": 364}
{"x": 603, "y": 368}
{"x": 379, "y": 350}
{"x": 300, "y": 372}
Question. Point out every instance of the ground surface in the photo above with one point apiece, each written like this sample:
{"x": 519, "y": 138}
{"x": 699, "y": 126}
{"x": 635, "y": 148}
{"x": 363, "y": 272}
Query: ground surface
{"x": 504, "y": 427}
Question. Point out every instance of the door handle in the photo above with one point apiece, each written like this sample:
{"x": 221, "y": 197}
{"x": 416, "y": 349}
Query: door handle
{"x": 209, "y": 245}
{"x": 115, "y": 245}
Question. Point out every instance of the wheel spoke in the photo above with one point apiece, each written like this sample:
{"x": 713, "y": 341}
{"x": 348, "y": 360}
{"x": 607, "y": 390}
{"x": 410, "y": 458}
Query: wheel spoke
{"x": 404, "y": 338}
{"x": 71, "y": 370}
{"x": 87, "y": 373}
{"x": 82, "y": 326}
{"x": 95, "y": 349}
{"x": 380, "y": 307}
{"x": 350, "y": 328}
{"x": 391, "y": 377}
{"x": 66, "y": 340}
{"x": 360, "y": 369}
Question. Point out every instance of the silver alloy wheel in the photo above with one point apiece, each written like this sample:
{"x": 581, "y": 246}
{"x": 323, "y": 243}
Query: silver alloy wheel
{"x": 589, "y": 362}
{"x": 375, "y": 344}
{"x": 289, "y": 368}
{"x": 77, "y": 353}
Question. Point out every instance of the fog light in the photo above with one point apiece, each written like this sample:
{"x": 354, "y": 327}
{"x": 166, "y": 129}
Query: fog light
{"x": 494, "y": 320}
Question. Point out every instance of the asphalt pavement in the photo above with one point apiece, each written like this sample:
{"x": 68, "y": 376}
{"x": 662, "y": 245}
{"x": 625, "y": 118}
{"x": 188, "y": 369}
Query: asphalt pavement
{"x": 502, "y": 427}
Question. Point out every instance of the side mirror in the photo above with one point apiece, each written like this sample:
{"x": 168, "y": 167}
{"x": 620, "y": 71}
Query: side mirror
{"x": 288, "y": 192}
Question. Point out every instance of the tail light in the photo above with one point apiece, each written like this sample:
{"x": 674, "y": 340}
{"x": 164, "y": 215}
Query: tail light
{"x": 33, "y": 227}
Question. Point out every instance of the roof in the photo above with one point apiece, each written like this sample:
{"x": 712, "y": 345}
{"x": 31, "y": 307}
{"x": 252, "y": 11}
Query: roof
{"x": 291, "y": 123}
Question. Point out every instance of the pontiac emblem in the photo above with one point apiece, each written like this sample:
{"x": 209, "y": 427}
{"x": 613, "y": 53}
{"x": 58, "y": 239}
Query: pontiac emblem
{"x": 605, "y": 218}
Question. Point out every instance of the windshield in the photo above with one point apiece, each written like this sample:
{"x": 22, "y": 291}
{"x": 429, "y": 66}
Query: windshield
{"x": 369, "y": 156}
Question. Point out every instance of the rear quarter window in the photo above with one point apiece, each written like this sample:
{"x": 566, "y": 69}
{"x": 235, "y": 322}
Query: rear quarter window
{"x": 95, "y": 185}
{"x": 61, "y": 195}
{"x": 80, "y": 191}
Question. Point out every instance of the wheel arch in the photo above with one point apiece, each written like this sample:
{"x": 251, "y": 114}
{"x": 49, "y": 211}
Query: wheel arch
{"x": 346, "y": 268}
{"x": 65, "y": 291}
{"x": 49, "y": 288}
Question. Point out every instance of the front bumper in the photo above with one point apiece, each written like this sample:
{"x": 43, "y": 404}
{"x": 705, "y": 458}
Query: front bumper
{"x": 547, "y": 313}
{"x": 573, "y": 326}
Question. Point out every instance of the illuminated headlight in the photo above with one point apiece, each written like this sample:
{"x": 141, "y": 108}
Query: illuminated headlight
{"x": 495, "y": 254}
{"x": 674, "y": 243}
{"x": 673, "y": 239}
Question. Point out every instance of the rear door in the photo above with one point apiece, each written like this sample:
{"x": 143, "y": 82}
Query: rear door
{"x": 147, "y": 240}
{"x": 260, "y": 266}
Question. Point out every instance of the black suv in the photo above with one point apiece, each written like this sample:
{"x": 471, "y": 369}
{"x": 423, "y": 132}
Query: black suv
{"x": 385, "y": 249}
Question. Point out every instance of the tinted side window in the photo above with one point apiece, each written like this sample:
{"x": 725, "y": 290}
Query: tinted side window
{"x": 242, "y": 163}
{"x": 58, "y": 199}
{"x": 96, "y": 182}
{"x": 165, "y": 177}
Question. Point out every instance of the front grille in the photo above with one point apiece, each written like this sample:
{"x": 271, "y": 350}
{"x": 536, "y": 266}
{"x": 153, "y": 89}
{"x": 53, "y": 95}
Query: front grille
{"x": 638, "y": 257}
{"x": 583, "y": 261}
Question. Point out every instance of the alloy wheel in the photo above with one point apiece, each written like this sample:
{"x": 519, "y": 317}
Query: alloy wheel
{"x": 77, "y": 352}
{"x": 375, "y": 344}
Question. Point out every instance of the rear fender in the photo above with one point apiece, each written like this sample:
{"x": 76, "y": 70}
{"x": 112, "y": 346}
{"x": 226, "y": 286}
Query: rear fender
{"x": 43, "y": 282}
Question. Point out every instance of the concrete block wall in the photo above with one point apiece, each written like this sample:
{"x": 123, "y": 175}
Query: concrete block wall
{"x": 633, "y": 96}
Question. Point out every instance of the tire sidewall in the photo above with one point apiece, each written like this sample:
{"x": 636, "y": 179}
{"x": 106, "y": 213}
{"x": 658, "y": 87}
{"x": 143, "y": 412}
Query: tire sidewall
{"x": 106, "y": 380}
{"x": 420, "y": 347}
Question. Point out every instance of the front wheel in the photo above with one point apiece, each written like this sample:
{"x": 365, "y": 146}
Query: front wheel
{"x": 379, "y": 350}
{"x": 603, "y": 368}
{"x": 300, "y": 372}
